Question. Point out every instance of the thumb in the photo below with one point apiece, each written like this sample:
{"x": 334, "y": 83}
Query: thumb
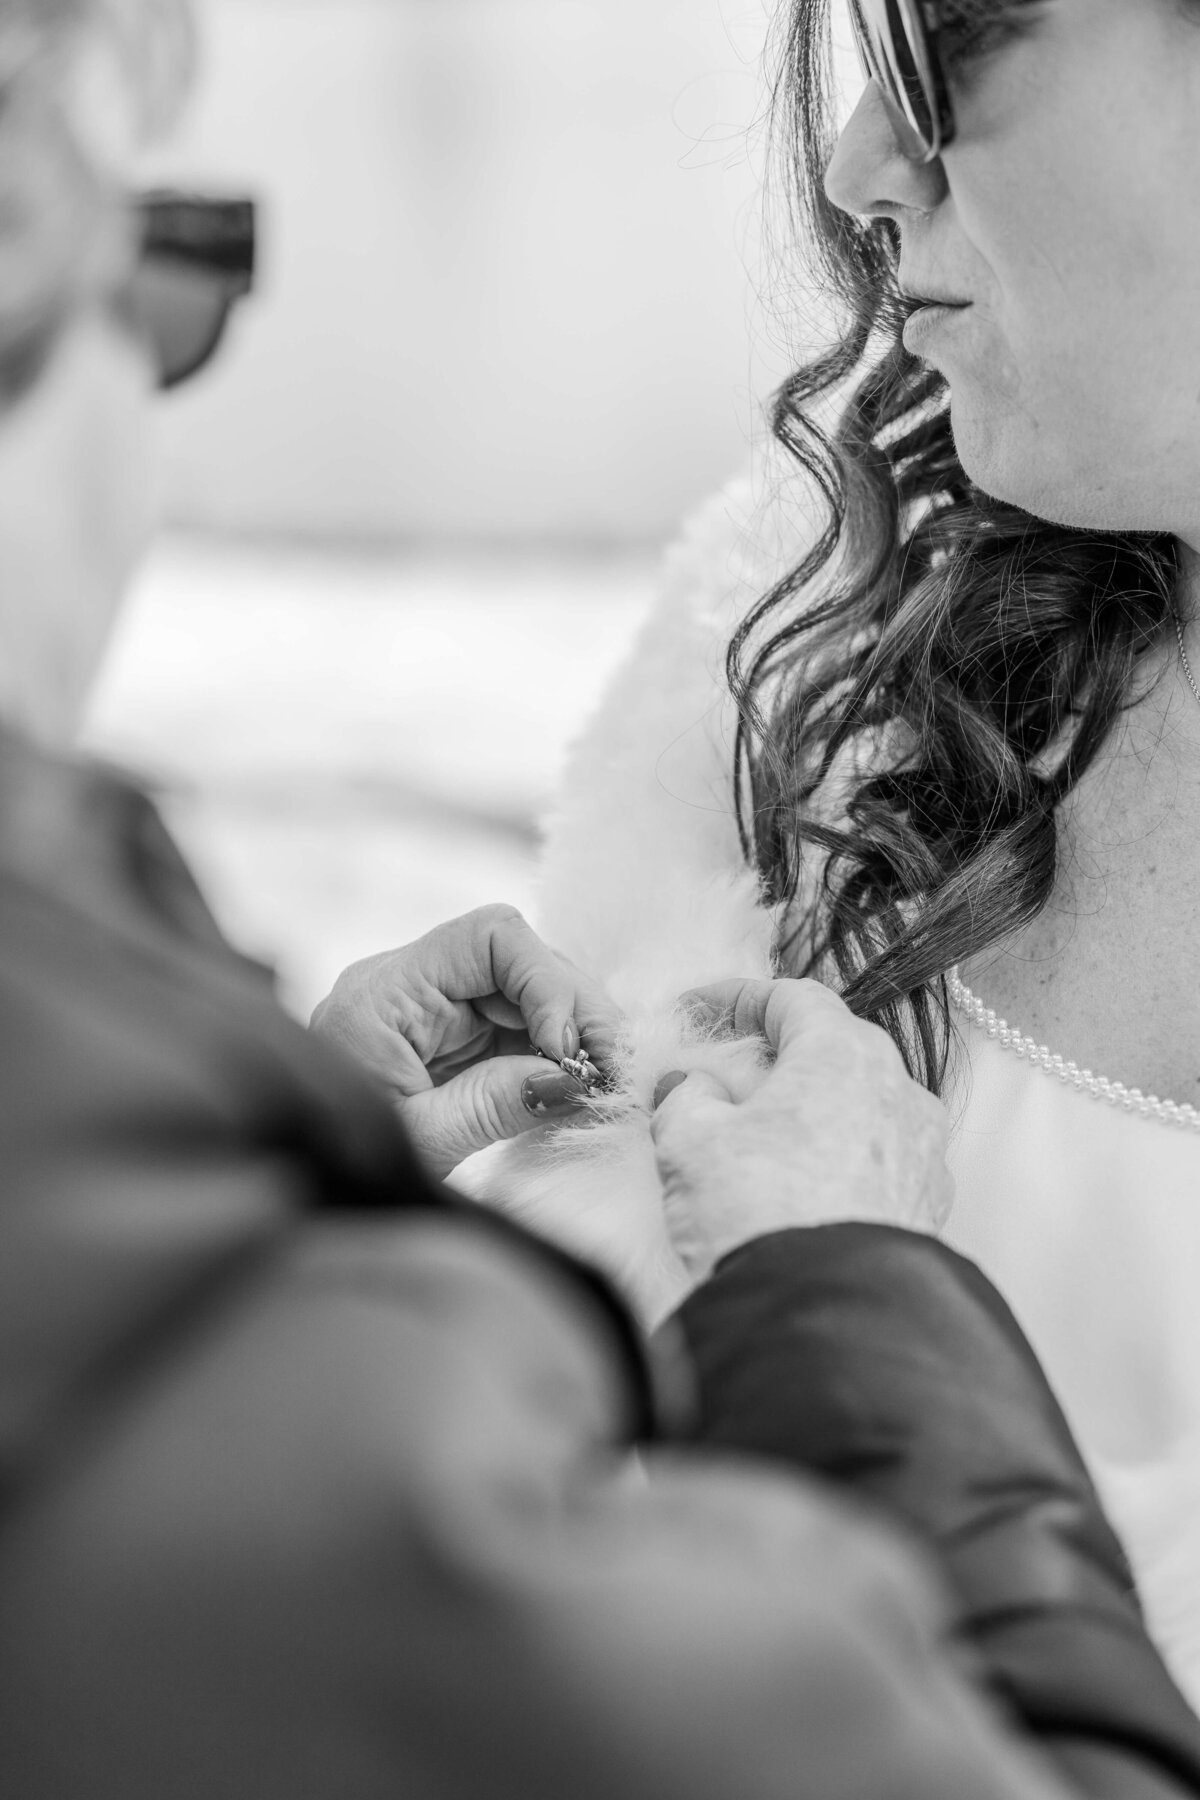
{"x": 487, "y": 1104}
{"x": 682, "y": 1131}
{"x": 700, "y": 1085}
{"x": 679, "y": 1095}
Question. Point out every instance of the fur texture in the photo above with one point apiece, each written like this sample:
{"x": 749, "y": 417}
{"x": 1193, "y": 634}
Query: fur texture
{"x": 644, "y": 886}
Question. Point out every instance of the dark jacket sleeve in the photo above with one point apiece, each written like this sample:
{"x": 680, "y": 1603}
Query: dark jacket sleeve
{"x": 884, "y": 1361}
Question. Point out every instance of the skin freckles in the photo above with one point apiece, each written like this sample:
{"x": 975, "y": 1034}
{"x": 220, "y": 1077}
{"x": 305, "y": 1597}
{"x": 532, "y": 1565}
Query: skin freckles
{"x": 1067, "y": 212}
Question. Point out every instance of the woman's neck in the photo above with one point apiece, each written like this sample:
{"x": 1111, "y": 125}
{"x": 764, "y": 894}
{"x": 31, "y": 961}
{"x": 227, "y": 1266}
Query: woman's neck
{"x": 71, "y": 504}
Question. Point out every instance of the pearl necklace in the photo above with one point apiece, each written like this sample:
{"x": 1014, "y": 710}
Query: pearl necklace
{"x": 1148, "y": 1106}
{"x": 1183, "y": 657}
{"x": 1131, "y": 1100}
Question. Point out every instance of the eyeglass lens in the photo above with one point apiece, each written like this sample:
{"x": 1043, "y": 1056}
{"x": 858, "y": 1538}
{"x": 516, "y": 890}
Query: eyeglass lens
{"x": 883, "y": 30}
{"x": 197, "y": 260}
{"x": 183, "y": 310}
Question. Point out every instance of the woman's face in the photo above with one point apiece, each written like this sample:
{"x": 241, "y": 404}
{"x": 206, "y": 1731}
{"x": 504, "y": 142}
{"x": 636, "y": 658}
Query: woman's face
{"x": 1065, "y": 217}
{"x": 77, "y": 488}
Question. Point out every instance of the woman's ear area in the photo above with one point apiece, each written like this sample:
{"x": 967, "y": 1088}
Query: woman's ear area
{"x": 56, "y": 245}
{"x": 85, "y": 86}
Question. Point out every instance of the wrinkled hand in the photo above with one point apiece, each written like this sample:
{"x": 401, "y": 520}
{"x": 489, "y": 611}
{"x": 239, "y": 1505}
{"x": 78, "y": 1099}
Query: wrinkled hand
{"x": 451, "y": 1024}
{"x": 837, "y": 1130}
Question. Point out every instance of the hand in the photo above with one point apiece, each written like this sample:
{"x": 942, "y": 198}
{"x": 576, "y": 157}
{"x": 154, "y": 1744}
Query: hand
{"x": 837, "y": 1130}
{"x": 451, "y": 1024}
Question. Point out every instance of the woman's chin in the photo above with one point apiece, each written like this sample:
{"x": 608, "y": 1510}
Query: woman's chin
{"x": 1013, "y": 467}
{"x": 1027, "y": 463}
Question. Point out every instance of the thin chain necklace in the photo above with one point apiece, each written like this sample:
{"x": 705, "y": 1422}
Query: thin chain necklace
{"x": 1183, "y": 657}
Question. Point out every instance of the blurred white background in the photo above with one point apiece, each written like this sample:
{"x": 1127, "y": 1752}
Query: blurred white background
{"x": 512, "y": 323}
{"x": 510, "y": 283}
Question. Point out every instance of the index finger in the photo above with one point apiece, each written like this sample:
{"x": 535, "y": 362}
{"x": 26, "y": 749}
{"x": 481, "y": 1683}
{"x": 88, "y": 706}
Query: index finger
{"x": 495, "y": 952}
{"x": 781, "y": 1011}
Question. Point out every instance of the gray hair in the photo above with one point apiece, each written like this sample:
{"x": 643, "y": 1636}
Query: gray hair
{"x": 65, "y": 233}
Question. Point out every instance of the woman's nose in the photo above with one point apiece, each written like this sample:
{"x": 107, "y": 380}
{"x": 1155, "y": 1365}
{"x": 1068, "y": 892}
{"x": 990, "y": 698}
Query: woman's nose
{"x": 877, "y": 169}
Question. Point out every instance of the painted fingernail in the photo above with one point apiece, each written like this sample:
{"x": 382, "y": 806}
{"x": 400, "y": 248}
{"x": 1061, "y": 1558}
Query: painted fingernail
{"x": 571, "y": 1043}
{"x": 667, "y": 1085}
{"x": 550, "y": 1095}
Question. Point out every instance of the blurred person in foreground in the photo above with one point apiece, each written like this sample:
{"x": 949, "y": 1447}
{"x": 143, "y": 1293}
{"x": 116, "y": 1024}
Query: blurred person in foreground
{"x": 314, "y": 1480}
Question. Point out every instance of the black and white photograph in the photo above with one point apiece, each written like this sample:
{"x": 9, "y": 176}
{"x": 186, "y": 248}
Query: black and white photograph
{"x": 600, "y": 899}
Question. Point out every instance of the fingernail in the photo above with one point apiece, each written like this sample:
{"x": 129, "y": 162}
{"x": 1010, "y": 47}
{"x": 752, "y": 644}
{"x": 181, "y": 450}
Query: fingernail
{"x": 667, "y": 1085}
{"x": 546, "y": 1095}
{"x": 571, "y": 1043}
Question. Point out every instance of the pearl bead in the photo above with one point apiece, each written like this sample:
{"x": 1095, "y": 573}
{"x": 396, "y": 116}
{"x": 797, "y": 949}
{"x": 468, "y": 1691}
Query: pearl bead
{"x": 1131, "y": 1100}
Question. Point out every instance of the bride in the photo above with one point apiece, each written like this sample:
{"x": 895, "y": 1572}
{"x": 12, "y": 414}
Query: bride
{"x": 955, "y": 767}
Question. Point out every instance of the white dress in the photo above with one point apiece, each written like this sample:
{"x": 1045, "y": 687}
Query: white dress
{"x": 1087, "y": 1219}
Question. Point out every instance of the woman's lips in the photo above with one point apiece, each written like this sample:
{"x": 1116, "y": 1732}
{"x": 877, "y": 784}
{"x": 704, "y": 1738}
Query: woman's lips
{"x": 929, "y": 316}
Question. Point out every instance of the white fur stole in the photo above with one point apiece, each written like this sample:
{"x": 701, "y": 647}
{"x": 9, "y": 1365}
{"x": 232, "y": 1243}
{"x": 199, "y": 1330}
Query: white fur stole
{"x": 644, "y": 886}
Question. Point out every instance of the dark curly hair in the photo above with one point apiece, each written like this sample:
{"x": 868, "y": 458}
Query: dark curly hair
{"x": 917, "y": 697}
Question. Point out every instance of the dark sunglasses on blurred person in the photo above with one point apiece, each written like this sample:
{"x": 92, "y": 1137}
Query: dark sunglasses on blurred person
{"x": 196, "y": 260}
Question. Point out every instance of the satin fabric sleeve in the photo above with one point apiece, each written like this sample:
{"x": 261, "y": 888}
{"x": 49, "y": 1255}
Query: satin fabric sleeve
{"x": 887, "y": 1363}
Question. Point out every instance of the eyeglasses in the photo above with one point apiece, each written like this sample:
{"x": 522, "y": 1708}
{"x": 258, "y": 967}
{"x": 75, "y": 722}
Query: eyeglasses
{"x": 897, "y": 46}
{"x": 196, "y": 261}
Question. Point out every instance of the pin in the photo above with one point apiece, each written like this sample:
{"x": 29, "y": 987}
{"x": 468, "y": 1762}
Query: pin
{"x": 580, "y": 1067}
{"x": 583, "y": 1069}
